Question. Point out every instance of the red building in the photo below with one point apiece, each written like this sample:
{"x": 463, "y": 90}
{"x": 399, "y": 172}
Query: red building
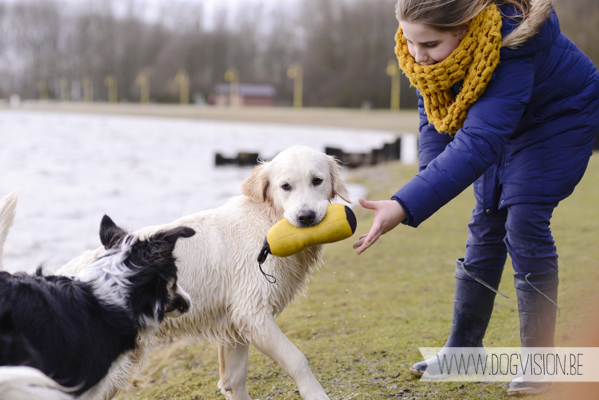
{"x": 247, "y": 95}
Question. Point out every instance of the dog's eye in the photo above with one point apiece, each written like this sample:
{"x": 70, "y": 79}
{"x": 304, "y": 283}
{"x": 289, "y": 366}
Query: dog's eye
{"x": 316, "y": 181}
{"x": 286, "y": 187}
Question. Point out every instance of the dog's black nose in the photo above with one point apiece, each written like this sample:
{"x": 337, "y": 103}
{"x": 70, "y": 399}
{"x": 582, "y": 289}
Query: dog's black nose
{"x": 182, "y": 305}
{"x": 179, "y": 304}
{"x": 307, "y": 218}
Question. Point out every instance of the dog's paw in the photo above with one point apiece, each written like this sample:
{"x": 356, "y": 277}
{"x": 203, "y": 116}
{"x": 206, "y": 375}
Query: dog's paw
{"x": 316, "y": 395}
{"x": 224, "y": 390}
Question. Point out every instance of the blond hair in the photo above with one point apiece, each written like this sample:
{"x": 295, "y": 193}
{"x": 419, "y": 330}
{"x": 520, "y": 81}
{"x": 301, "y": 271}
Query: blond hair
{"x": 443, "y": 15}
{"x": 448, "y": 15}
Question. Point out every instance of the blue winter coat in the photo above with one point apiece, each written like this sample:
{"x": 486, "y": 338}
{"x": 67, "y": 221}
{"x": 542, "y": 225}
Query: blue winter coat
{"x": 527, "y": 139}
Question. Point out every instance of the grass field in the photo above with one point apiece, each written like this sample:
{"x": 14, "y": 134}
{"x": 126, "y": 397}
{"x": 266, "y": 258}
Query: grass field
{"x": 364, "y": 317}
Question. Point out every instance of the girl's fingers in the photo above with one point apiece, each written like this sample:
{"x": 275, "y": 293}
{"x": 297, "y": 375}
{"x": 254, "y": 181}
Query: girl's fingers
{"x": 366, "y": 203}
{"x": 361, "y": 240}
{"x": 369, "y": 241}
{"x": 375, "y": 232}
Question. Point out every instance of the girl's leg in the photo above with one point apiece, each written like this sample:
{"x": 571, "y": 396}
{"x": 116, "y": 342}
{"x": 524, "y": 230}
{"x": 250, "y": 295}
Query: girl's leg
{"x": 485, "y": 246}
{"x": 529, "y": 240}
{"x": 534, "y": 257}
{"x": 480, "y": 269}
{"x": 473, "y": 301}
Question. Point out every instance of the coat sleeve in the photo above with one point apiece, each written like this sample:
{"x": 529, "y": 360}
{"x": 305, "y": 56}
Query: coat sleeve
{"x": 491, "y": 121}
{"x": 430, "y": 142}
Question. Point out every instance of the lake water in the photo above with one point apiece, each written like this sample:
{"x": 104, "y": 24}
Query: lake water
{"x": 71, "y": 169}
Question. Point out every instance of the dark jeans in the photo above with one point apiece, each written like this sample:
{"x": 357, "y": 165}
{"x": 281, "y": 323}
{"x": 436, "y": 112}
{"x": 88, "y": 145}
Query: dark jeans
{"x": 522, "y": 230}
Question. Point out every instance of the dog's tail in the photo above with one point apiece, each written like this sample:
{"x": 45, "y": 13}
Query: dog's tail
{"x": 26, "y": 383}
{"x": 7, "y": 215}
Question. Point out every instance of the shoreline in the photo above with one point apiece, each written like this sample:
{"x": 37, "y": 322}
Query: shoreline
{"x": 395, "y": 121}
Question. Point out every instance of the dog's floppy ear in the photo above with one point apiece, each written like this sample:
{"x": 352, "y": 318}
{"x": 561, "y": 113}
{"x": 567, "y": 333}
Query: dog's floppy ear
{"x": 110, "y": 234}
{"x": 339, "y": 188}
{"x": 256, "y": 185}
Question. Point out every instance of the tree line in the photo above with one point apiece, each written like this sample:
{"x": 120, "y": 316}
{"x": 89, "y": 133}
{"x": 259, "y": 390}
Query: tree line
{"x": 54, "y": 49}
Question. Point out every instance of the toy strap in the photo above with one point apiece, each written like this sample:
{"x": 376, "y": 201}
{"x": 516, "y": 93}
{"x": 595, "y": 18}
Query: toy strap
{"x": 261, "y": 258}
{"x": 267, "y": 276}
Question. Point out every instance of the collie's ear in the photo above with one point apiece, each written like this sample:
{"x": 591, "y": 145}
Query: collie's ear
{"x": 256, "y": 185}
{"x": 339, "y": 188}
{"x": 172, "y": 235}
{"x": 110, "y": 234}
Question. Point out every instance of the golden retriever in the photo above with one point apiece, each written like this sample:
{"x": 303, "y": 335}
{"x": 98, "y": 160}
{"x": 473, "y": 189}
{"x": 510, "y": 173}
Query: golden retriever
{"x": 234, "y": 305}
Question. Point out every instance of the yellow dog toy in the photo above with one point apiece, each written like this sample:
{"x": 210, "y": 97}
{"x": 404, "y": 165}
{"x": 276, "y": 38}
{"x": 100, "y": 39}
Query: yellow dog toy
{"x": 284, "y": 239}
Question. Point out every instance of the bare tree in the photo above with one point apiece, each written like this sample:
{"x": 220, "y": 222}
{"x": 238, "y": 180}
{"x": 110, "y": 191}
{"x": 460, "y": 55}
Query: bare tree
{"x": 36, "y": 26}
{"x": 579, "y": 20}
{"x": 348, "y": 45}
{"x": 343, "y": 46}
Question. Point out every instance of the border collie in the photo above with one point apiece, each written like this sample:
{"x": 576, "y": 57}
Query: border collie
{"x": 76, "y": 330}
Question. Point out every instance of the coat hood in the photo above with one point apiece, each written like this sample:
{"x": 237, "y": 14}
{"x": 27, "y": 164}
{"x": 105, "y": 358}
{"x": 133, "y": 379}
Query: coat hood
{"x": 538, "y": 31}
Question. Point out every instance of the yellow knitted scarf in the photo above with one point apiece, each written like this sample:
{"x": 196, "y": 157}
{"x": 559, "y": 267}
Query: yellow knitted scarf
{"x": 474, "y": 61}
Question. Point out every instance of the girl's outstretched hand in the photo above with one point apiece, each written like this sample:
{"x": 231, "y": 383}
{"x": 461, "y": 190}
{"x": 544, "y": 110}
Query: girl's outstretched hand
{"x": 387, "y": 215}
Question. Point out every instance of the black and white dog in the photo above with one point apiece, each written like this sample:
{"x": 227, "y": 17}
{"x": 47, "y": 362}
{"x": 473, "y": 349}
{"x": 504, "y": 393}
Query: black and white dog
{"x": 78, "y": 329}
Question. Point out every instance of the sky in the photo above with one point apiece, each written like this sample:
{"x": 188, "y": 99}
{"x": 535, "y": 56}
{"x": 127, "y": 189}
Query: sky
{"x": 211, "y": 7}
{"x": 153, "y": 8}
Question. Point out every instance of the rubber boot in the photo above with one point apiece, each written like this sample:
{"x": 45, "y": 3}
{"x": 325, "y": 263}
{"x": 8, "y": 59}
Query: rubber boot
{"x": 537, "y": 305}
{"x": 472, "y": 308}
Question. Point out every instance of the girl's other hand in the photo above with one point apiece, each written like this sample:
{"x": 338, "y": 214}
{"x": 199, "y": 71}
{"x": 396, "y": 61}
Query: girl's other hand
{"x": 387, "y": 215}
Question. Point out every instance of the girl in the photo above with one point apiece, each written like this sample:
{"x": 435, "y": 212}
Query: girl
{"x": 510, "y": 104}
